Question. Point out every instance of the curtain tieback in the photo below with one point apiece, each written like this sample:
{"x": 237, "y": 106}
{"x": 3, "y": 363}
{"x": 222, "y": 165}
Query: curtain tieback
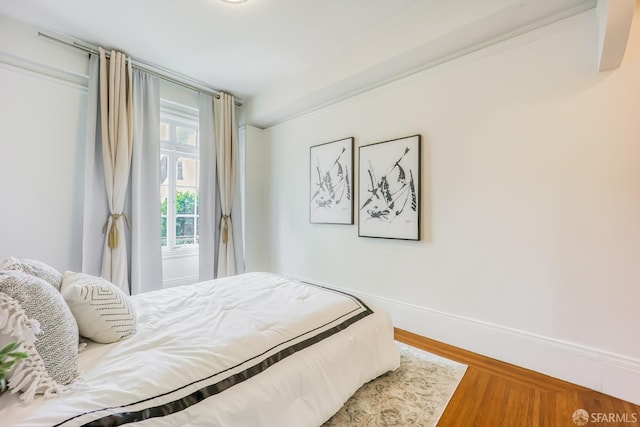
{"x": 113, "y": 230}
{"x": 226, "y": 219}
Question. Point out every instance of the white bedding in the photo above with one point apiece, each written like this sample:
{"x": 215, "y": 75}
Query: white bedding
{"x": 253, "y": 350}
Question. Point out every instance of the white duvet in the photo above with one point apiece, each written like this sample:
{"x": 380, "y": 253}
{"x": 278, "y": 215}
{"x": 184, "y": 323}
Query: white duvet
{"x": 253, "y": 350}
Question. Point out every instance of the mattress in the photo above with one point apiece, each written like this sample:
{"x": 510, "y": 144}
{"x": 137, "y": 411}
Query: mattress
{"x": 254, "y": 350}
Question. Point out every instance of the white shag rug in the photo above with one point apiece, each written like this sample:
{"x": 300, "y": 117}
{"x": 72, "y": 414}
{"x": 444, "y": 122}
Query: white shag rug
{"x": 416, "y": 394}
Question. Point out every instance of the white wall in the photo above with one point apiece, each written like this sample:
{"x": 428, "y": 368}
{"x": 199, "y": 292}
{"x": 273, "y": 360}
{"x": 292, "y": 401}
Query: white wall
{"x": 42, "y": 116}
{"x": 530, "y": 207}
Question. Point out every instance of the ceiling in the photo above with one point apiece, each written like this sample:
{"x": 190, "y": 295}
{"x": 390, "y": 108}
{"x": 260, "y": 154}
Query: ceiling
{"x": 287, "y": 57}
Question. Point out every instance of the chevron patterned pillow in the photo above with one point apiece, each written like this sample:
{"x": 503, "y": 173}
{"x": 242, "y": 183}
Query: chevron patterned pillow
{"x": 104, "y": 313}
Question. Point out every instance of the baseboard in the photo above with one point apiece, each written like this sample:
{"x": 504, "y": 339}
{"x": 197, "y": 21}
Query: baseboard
{"x": 606, "y": 372}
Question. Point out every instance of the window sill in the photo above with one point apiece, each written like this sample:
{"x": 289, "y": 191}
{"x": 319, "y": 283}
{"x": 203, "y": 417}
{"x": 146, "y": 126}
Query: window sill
{"x": 180, "y": 252}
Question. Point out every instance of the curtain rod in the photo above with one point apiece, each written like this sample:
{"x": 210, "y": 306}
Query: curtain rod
{"x": 155, "y": 70}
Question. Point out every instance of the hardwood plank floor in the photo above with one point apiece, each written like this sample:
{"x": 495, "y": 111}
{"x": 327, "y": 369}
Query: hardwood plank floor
{"x": 497, "y": 394}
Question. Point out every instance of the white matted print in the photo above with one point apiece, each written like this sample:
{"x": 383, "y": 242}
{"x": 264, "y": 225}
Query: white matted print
{"x": 331, "y": 182}
{"x": 389, "y": 189}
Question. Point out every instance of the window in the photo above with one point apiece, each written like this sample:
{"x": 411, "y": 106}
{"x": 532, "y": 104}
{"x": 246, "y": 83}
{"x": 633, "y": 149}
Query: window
{"x": 179, "y": 178}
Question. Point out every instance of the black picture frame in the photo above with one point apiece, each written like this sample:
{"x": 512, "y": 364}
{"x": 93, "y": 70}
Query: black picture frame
{"x": 331, "y": 182}
{"x": 389, "y": 181}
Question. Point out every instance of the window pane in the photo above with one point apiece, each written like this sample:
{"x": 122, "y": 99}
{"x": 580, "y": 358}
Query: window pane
{"x": 164, "y": 191}
{"x": 180, "y": 175}
{"x": 184, "y": 230}
{"x": 164, "y": 168}
{"x": 163, "y": 231}
{"x": 164, "y": 131}
{"x": 187, "y": 172}
{"x": 186, "y": 201}
{"x": 163, "y": 212}
{"x": 186, "y": 136}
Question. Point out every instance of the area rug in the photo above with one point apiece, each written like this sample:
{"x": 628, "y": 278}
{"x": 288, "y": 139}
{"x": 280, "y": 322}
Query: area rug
{"x": 416, "y": 394}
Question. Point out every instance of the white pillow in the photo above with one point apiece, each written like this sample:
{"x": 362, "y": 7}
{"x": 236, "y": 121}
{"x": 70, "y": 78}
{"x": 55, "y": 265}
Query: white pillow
{"x": 104, "y": 313}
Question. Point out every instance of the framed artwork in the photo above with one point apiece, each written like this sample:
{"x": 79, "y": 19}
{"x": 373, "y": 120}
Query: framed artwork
{"x": 331, "y": 182}
{"x": 389, "y": 189}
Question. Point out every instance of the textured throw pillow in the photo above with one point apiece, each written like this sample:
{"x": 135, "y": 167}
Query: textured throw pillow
{"x": 34, "y": 268}
{"x": 104, "y": 313}
{"x": 33, "y": 312}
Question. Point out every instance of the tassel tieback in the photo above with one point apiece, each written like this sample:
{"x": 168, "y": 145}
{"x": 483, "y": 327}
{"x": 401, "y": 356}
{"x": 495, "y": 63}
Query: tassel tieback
{"x": 226, "y": 219}
{"x": 113, "y": 230}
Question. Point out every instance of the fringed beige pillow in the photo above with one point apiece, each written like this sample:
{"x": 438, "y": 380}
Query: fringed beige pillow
{"x": 34, "y": 312}
{"x": 34, "y": 268}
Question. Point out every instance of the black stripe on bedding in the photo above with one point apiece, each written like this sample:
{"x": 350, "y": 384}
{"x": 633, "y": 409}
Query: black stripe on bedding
{"x": 185, "y": 402}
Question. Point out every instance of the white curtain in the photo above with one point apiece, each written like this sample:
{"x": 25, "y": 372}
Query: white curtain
{"x": 209, "y": 215}
{"x": 116, "y": 126}
{"x": 146, "y": 250}
{"x": 226, "y": 130}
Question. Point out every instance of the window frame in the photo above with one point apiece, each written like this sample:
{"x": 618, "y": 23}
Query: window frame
{"x": 177, "y": 115}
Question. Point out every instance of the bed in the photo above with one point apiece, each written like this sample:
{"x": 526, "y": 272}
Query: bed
{"x": 257, "y": 349}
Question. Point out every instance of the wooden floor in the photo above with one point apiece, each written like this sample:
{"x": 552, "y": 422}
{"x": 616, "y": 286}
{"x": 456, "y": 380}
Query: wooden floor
{"x": 498, "y": 394}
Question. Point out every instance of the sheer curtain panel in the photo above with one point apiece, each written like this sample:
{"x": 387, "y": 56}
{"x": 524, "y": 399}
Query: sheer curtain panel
{"x": 146, "y": 250}
{"x": 209, "y": 215}
{"x": 116, "y": 126}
